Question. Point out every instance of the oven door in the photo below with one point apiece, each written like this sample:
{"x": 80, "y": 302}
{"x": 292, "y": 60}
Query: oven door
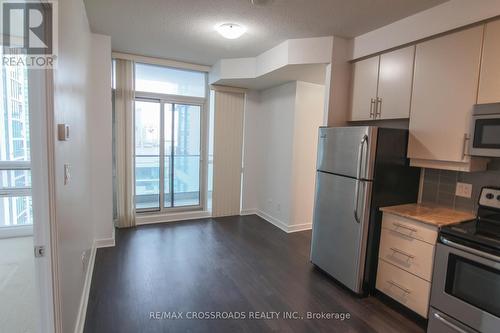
{"x": 466, "y": 285}
{"x": 485, "y": 139}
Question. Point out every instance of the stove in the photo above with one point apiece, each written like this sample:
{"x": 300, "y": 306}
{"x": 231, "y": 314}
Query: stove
{"x": 483, "y": 232}
{"x": 466, "y": 277}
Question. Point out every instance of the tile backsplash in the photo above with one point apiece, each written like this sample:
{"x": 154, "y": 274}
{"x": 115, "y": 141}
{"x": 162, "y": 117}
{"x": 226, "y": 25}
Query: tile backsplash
{"x": 439, "y": 186}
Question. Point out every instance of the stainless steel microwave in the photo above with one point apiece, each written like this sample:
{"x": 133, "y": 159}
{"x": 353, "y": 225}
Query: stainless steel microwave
{"x": 485, "y": 133}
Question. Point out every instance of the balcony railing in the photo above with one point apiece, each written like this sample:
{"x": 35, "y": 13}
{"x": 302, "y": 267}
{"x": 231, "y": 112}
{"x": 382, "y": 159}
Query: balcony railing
{"x": 185, "y": 177}
{"x": 15, "y": 194}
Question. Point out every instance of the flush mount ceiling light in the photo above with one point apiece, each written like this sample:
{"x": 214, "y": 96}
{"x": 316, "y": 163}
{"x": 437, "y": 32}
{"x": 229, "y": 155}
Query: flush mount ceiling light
{"x": 230, "y": 30}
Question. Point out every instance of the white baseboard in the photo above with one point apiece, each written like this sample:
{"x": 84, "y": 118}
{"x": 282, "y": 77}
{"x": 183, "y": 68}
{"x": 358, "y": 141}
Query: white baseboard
{"x": 106, "y": 242}
{"x": 171, "y": 217}
{"x": 276, "y": 222}
{"x": 84, "y": 300}
{"x": 299, "y": 227}
{"x": 251, "y": 211}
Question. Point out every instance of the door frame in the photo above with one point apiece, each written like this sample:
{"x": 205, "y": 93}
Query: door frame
{"x": 42, "y": 135}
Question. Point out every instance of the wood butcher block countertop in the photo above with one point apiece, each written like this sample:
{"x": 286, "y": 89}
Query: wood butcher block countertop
{"x": 430, "y": 214}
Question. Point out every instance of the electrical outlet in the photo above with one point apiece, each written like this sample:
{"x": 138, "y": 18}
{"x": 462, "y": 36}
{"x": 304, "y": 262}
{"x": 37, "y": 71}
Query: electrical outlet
{"x": 85, "y": 259}
{"x": 463, "y": 190}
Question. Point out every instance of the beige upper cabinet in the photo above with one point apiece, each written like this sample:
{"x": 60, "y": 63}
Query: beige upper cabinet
{"x": 395, "y": 84}
{"x": 489, "y": 83}
{"x": 382, "y": 86}
{"x": 364, "y": 89}
{"x": 444, "y": 92}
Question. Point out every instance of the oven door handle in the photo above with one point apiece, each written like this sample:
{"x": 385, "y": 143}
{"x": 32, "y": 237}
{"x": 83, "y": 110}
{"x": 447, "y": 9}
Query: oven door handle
{"x": 469, "y": 249}
{"x": 450, "y": 325}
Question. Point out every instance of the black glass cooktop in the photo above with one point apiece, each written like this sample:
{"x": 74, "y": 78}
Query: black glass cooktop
{"x": 484, "y": 231}
{"x": 481, "y": 231}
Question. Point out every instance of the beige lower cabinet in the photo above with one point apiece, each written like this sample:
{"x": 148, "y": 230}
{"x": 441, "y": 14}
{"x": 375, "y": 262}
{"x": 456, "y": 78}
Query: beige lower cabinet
{"x": 406, "y": 255}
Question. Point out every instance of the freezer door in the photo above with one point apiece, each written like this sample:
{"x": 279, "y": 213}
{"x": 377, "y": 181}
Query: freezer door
{"x": 348, "y": 151}
{"x": 338, "y": 239}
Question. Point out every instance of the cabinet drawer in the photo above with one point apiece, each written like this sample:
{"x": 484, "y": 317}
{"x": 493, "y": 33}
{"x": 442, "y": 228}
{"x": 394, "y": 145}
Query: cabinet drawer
{"x": 410, "y": 254}
{"x": 410, "y": 228}
{"x": 408, "y": 289}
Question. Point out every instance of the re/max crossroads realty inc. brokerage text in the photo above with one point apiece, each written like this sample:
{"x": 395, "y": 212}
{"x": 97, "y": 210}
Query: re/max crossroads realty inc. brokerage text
{"x": 256, "y": 315}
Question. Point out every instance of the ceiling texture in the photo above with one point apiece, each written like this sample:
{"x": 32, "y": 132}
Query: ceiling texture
{"x": 183, "y": 30}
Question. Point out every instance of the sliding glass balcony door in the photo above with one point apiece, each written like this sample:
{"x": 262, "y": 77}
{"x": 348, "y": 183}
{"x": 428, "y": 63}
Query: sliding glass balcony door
{"x": 147, "y": 155}
{"x": 182, "y": 152}
{"x": 167, "y": 155}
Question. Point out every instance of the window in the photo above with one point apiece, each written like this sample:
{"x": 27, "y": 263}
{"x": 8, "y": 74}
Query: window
{"x": 164, "y": 80}
{"x": 168, "y": 138}
{"x": 15, "y": 174}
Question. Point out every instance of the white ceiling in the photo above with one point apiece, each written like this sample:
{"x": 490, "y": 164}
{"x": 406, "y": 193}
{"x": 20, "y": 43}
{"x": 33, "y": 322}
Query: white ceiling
{"x": 183, "y": 29}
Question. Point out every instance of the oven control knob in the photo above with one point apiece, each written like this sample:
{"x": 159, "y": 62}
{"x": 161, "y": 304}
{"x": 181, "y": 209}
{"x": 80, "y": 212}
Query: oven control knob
{"x": 498, "y": 197}
{"x": 489, "y": 196}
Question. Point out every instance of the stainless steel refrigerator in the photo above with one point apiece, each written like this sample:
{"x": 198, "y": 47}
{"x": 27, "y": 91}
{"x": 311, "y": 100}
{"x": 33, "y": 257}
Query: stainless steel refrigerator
{"x": 359, "y": 169}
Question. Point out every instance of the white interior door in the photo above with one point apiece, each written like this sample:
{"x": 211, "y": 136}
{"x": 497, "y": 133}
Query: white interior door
{"x": 40, "y": 134}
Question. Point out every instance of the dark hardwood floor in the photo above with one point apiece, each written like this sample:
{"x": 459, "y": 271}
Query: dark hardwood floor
{"x": 233, "y": 264}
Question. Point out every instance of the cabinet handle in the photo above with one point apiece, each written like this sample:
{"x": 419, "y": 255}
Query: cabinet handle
{"x": 372, "y": 104}
{"x": 406, "y": 290}
{"x": 358, "y": 176}
{"x": 410, "y": 256}
{"x": 464, "y": 147}
{"x": 378, "y": 108}
{"x": 399, "y": 225}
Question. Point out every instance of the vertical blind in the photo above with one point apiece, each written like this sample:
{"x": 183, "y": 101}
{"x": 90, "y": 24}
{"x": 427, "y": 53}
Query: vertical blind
{"x": 124, "y": 106}
{"x": 228, "y": 141}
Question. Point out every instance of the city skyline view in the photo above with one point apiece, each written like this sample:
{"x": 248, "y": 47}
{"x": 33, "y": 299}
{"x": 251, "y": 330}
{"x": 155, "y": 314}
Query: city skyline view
{"x": 15, "y": 201}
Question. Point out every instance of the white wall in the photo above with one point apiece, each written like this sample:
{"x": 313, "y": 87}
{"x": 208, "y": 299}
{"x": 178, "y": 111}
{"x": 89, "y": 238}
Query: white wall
{"x": 277, "y": 126}
{"x": 73, "y": 201}
{"x": 78, "y": 81}
{"x": 308, "y": 117}
{"x": 338, "y": 83}
{"x": 280, "y": 153}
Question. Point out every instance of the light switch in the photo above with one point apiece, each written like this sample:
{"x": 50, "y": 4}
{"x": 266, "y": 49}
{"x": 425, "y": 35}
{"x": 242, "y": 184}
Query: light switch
{"x": 67, "y": 173}
{"x": 463, "y": 190}
{"x": 62, "y": 132}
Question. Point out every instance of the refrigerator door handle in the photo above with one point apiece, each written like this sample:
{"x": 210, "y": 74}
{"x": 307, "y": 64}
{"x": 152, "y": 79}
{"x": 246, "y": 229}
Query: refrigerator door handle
{"x": 358, "y": 176}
